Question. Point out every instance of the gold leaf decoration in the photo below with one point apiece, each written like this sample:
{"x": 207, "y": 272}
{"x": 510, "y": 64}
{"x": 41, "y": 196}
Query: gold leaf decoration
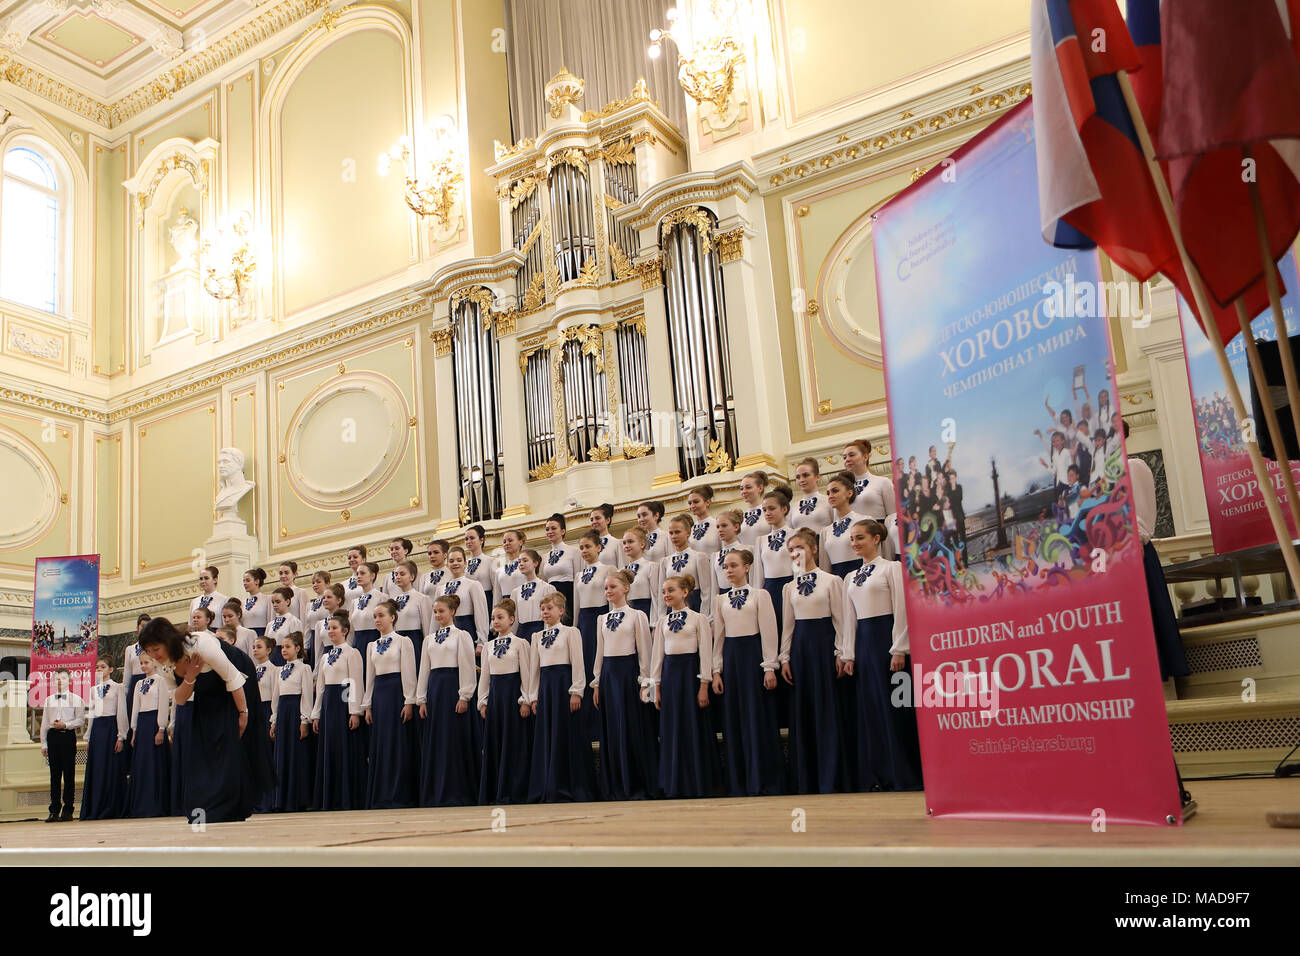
{"x": 463, "y": 511}
{"x": 635, "y": 449}
{"x": 535, "y": 292}
{"x": 717, "y": 459}
{"x": 598, "y": 453}
{"x": 695, "y": 216}
{"x": 620, "y": 153}
{"x": 623, "y": 268}
{"x": 543, "y": 471}
{"x": 588, "y": 275}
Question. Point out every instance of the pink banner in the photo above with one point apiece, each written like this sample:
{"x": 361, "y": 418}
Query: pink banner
{"x": 1238, "y": 517}
{"x": 1034, "y": 674}
{"x": 65, "y": 623}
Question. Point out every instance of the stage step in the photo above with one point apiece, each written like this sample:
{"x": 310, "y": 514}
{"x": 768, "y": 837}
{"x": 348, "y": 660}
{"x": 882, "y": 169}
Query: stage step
{"x": 1229, "y": 735}
{"x": 1260, "y": 654}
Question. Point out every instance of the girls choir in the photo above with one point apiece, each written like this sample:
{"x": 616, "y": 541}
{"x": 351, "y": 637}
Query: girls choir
{"x": 487, "y": 681}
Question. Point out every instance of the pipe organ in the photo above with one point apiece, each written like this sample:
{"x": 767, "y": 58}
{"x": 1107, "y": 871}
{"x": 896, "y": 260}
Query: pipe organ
{"x": 477, "y": 370}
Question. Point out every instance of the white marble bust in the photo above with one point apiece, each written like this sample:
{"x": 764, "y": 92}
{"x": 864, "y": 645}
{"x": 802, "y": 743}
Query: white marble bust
{"x": 231, "y": 483}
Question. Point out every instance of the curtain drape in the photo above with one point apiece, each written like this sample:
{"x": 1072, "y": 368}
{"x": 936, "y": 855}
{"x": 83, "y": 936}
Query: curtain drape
{"x": 602, "y": 41}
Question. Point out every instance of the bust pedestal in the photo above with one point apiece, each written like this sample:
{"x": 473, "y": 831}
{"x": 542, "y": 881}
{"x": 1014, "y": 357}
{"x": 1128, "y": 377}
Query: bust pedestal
{"x": 232, "y": 551}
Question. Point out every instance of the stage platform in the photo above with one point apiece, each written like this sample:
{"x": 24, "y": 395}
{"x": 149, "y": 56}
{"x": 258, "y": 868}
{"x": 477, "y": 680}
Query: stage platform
{"x": 847, "y": 829}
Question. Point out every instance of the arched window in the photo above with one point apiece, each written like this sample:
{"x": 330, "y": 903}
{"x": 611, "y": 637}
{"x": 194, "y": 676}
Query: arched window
{"x": 33, "y": 209}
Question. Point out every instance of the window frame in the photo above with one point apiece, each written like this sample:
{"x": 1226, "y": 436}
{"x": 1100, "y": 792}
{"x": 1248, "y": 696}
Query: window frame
{"x": 63, "y": 194}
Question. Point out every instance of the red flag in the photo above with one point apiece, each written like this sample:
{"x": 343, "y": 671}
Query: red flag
{"x": 1231, "y": 80}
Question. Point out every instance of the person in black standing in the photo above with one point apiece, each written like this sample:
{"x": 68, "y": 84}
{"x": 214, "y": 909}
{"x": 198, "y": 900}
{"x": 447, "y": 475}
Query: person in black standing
{"x": 63, "y": 714}
{"x": 958, "y": 513}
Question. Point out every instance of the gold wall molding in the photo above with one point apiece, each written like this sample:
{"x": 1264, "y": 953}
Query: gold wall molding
{"x": 731, "y": 244}
{"x": 712, "y": 186}
{"x": 650, "y": 273}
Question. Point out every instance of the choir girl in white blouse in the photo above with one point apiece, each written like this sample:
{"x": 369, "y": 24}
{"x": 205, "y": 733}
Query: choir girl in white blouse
{"x": 132, "y": 672}
{"x": 288, "y": 572}
{"x": 685, "y": 559}
{"x": 292, "y": 700}
{"x": 874, "y": 494}
{"x": 812, "y": 639}
{"x": 211, "y": 598}
{"x": 314, "y": 614}
{"x": 648, "y": 516}
{"x": 509, "y": 576}
{"x": 336, "y": 719}
{"x": 446, "y": 685}
{"x": 561, "y": 562}
{"x": 362, "y": 613}
{"x": 592, "y": 603}
{"x": 528, "y": 595}
{"x": 611, "y": 552}
{"x": 889, "y": 751}
{"x": 772, "y": 570}
{"x": 746, "y": 650}
{"x": 332, "y": 601}
{"x": 257, "y": 606}
{"x": 399, "y": 549}
{"x": 352, "y": 588}
{"x": 812, "y": 510}
{"x": 283, "y": 622}
{"x": 414, "y": 609}
{"x": 681, "y": 669}
{"x": 703, "y": 535}
{"x": 150, "y": 790}
{"x": 647, "y": 577}
{"x": 561, "y": 764}
{"x": 629, "y": 768}
{"x": 264, "y": 672}
{"x": 431, "y": 583}
{"x": 201, "y": 620}
{"x": 728, "y": 523}
{"x": 837, "y": 554}
{"x": 479, "y": 566}
{"x": 232, "y": 616}
{"x": 103, "y": 795}
{"x": 472, "y": 609}
{"x": 503, "y": 702}
{"x": 390, "y": 710}
{"x": 752, "y": 524}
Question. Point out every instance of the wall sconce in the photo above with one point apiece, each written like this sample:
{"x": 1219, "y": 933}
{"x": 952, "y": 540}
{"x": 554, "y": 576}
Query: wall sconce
{"x": 708, "y": 71}
{"x": 434, "y": 173}
{"x": 230, "y": 261}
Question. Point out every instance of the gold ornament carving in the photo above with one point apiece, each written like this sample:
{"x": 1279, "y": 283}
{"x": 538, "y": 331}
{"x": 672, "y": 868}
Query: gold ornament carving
{"x": 731, "y": 244}
{"x": 650, "y": 273}
{"x": 620, "y": 153}
{"x": 717, "y": 459}
{"x": 588, "y": 275}
{"x": 598, "y": 453}
{"x": 521, "y": 190}
{"x": 635, "y": 449}
{"x": 563, "y": 88}
{"x": 623, "y": 268}
{"x": 573, "y": 156}
{"x": 441, "y": 342}
{"x": 543, "y": 471}
{"x": 463, "y": 511}
{"x": 535, "y": 293}
{"x": 590, "y": 340}
{"x": 695, "y": 216}
{"x": 198, "y": 171}
{"x": 640, "y": 94}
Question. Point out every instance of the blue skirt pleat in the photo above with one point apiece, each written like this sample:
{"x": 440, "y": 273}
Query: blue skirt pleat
{"x": 449, "y": 770}
{"x": 506, "y": 744}
{"x": 561, "y": 766}
{"x": 751, "y": 738}
{"x": 150, "y": 770}
{"x": 815, "y": 741}
{"x": 774, "y": 587}
{"x": 889, "y": 749}
{"x": 587, "y": 618}
{"x": 417, "y": 640}
{"x": 362, "y": 640}
{"x": 688, "y": 747}
{"x": 103, "y": 794}
{"x": 265, "y": 801}
{"x": 340, "y": 755}
{"x": 293, "y": 758}
{"x": 392, "y": 781}
{"x": 629, "y": 766}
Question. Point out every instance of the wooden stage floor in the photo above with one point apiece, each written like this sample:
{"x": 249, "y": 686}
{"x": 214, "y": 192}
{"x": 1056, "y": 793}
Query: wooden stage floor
{"x": 848, "y": 829}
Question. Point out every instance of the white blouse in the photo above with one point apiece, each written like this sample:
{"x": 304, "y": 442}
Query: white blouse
{"x": 622, "y": 632}
{"x": 562, "y": 563}
{"x": 131, "y": 661}
{"x": 390, "y": 585}
{"x": 682, "y": 632}
{"x": 294, "y": 679}
{"x": 752, "y": 526}
{"x": 214, "y": 602}
{"x": 744, "y": 612}
{"x": 152, "y": 694}
{"x": 509, "y": 577}
{"x": 557, "y": 646}
{"x": 875, "y": 496}
{"x": 874, "y": 590}
{"x": 431, "y": 581}
{"x": 591, "y": 585}
{"x": 362, "y": 616}
{"x": 811, "y": 511}
{"x": 339, "y": 664}
{"x": 257, "y": 609}
{"x": 472, "y": 601}
{"x": 108, "y": 699}
{"x": 704, "y": 536}
{"x": 836, "y": 540}
{"x": 483, "y": 569}
{"x": 447, "y": 647}
{"x": 657, "y": 546}
{"x": 392, "y": 653}
{"x": 528, "y": 600}
{"x": 313, "y": 613}
{"x": 817, "y": 594}
{"x": 716, "y": 560}
{"x": 208, "y": 646}
{"x": 647, "y": 582}
{"x": 265, "y": 672}
{"x": 351, "y": 591}
{"x": 281, "y": 627}
{"x": 414, "y": 611}
{"x": 244, "y": 638}
{"x": 697, "y": 565}
{"x": 772, "y": 557}
{"x": 507, "y": 655}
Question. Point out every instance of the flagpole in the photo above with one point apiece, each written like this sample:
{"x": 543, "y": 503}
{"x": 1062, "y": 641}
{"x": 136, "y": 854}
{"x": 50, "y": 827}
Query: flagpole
{"x": 1270, "y": 412}
{"x": 1280, "y": 529}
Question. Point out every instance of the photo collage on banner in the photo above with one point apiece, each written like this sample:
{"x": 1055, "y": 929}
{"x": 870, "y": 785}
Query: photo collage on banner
{"x": 65, "y": 623}
{"x": 998, "y": 373}
{"x": 1238, "y": 516}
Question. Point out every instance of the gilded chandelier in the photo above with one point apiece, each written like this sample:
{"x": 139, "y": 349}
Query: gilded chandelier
{"x": 708, "y": 71}
{"x": 434, "y": 174}
{"x": 235, "y": 260}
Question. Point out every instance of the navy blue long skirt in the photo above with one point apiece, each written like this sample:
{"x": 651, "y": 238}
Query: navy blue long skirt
{"x": 774, "y": 587}
{"x": 526, "y": 629}
{"x": 844, "y": 568}
{"x": 362, "y": 640}
{"x": 755, "y": 764}
{"x": 693, "y": 601}
{"x": 466, "y": 623}
{"x": 587, "y": 619}
{"x": 641, "y": 604}
{"x": 448, "y": 763}
{"x": 391, "y": 781}
{"x": 266, "y": 800}
{"x": 103, "y": 794}
{"x": 1169, "y": 643}
{"x": 889, "y": 749}
{"x": 629, "y": 766}
{"x": 180, "y": 745}
{"x": 562, "y": 769}
{"x": 259, "y": 631}
{"x": 815, "y": 741}
{"x": 566, "y": 588}
{"x": 417, "y": 639}
{"x": 130, "y": 694}
{"x": 340, "y": 755}
{"x": 276, "y": 657}
{"x": 506, "y": 744}
{"x": 688, "y": 747}
{"x": 150, "y": 770}
{"x": 293, "y": 758}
